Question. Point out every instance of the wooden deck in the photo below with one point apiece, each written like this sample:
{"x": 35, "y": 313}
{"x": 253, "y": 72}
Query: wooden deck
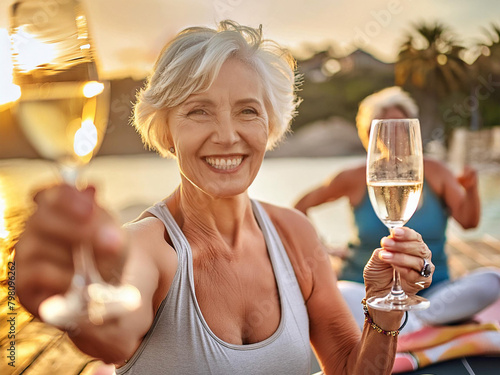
{"x": 465, "y": 256}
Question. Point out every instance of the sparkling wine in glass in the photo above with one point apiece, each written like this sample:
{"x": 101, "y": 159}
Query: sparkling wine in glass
{"x": 394, "y": 176}
{"x": 63, "y": 111}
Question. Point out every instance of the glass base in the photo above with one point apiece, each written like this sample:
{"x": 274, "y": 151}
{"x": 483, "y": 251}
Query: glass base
{"x": 402, "y": 302}
{"x": 95, "y": 302}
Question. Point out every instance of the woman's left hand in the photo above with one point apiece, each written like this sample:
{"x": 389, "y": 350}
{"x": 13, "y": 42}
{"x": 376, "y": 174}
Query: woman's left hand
{"x": 405, "y": 250}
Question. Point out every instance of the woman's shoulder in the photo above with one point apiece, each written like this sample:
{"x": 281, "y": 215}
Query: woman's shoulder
{"x": 295, "y": 229}
{"x": 301, "y": 242}
{"x": 148, "y": 233}
{"x": 149, "y": 238}
{"x": 147, "y": 223}
{"x": 286, "y": 218}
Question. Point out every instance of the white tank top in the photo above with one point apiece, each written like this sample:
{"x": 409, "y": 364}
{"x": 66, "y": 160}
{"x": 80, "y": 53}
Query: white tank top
{"x": 181, "y": 342}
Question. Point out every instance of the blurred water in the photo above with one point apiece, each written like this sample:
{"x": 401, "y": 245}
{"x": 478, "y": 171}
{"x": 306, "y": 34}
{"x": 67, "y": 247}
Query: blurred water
{"x": 128, "y": 184}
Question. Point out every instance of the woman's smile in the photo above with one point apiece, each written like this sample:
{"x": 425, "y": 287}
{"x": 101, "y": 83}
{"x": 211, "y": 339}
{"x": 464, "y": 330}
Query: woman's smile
{"x": 229, "y": 163}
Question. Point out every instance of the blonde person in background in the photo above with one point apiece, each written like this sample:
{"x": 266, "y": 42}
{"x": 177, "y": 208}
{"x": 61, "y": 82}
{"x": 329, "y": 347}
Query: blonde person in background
{"x": 229, "y": 285}
{"x": 443, "y": 195}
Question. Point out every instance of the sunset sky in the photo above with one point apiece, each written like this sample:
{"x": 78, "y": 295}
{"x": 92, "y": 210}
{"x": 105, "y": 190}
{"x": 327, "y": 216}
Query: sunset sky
{"x": 130, "y": 33}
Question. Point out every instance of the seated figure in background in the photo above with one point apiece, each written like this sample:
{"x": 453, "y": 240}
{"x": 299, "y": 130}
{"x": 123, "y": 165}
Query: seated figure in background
{"x": 443, "y": 195}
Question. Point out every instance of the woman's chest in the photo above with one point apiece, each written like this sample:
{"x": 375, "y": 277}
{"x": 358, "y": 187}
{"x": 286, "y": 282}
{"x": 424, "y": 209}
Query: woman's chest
{"x": 239, "y": 300}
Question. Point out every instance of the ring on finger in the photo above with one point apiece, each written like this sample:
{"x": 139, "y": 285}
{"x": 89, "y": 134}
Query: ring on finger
{"x": 426, "y": 269}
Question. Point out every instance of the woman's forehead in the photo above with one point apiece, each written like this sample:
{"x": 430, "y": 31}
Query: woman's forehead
{"x": 236, "y": 79}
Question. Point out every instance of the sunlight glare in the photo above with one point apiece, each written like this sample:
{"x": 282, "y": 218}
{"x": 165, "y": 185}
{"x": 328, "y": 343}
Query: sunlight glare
{"x": 331, "y": 67}
{"x": 85, "y": 138}
{"x": 442, "y": 59}
{"x": 4, "y": 233}
{"x": 31, "y": 52}
{"x": 9, "y": 92}
{"x": 92, "y": 89}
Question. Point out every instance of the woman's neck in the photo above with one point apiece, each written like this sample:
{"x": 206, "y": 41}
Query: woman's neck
{"x": 206, "y": 218}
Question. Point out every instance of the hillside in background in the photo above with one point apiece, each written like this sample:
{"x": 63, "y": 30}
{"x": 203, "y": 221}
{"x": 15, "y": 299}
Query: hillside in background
{"x": 333, "y": 86}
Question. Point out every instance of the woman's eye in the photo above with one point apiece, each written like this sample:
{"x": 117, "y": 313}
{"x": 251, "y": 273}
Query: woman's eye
{"x": 249, "y": 111}
{"x": 197, "y": 112}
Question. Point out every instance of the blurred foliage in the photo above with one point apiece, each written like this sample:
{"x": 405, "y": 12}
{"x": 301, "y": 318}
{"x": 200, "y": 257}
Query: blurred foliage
{"x": 450, "y": 92}
{"x": 487, "y": 83}
{"x": 431, "y": 67}
{"x": 339, "y": 94}
{"x": 430, "y": 60}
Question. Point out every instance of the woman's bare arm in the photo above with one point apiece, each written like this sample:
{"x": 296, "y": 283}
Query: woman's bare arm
{"x": 336, "y": 339}
{"x": 331, "y": 190}
{"x": 64, "y": 218}
{"x": 460, "y": 194}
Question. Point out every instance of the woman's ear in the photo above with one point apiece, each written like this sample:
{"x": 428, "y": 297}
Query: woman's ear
{"x": 165, "y": 136}
{"x": 168, "y": 141}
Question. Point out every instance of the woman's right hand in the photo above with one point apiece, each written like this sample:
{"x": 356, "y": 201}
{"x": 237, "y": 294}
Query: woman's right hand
{"x": 64, "y": 218}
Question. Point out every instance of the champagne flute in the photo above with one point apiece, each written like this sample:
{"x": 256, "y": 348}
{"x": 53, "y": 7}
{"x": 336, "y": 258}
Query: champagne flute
{"x": 394, "y": 176}
{"x": 63, "y": 111}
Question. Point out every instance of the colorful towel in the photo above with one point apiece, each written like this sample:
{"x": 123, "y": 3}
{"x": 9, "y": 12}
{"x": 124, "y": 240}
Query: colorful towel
{"x": 436, "y": 344}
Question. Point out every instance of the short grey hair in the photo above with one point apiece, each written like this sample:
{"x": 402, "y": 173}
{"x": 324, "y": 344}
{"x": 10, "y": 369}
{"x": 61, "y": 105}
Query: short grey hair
{"x": 373, "y": 106}
{"x": 190, "y": 63}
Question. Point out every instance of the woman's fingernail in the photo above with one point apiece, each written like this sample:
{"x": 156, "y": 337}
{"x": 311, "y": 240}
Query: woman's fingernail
{"x": 388, "y": 242}
{"x": 398, "y": 231}
{"x": 385, "y": 255}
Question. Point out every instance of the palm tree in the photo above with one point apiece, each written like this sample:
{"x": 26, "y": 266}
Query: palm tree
{"x": 430, "y": 67}
{"x": 487, "y": 76}
{"x": 488, "y": 53}
{"x": 491, "y": 48}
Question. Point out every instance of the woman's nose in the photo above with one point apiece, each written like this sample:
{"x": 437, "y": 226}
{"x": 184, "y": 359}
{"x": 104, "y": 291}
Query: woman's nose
{"x": 226, "y": 131}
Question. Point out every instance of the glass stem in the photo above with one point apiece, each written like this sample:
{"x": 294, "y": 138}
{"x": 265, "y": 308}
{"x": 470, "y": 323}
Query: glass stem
{"x": 396, "y": 290}
{"x": 85, "y": 269}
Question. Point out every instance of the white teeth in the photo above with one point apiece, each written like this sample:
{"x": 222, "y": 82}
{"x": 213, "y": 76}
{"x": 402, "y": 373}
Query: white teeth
{"x": 224, "y": 164}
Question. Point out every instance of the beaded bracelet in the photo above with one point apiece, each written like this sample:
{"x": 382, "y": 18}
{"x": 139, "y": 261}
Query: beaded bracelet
{"x": 376, "y": 327}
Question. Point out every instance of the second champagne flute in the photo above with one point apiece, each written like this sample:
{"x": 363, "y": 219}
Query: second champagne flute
{"x": 394, "y": 176}
{"x": 63, "y": 111}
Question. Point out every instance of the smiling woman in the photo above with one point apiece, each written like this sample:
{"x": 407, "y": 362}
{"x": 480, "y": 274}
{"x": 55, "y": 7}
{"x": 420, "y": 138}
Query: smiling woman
{"x": 178, "y": 75}
{"x": 222, "y": 133}
{"x": 227, "y": 283}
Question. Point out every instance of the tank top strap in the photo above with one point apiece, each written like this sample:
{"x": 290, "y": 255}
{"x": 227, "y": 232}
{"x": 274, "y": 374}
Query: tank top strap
{"x": 271, "y": 236}
{"x": 284, "y": 272}
{"x": 181, "y": 246}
